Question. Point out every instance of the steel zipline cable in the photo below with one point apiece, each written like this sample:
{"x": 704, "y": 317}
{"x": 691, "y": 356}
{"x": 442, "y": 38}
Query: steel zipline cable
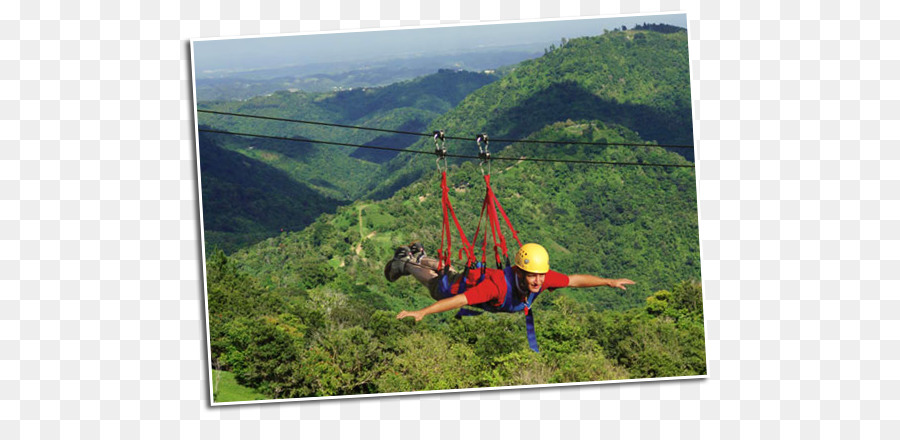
{"x": 463, "y": 156}
{"x": 413, "y": 133}
{"x": 327, "y": 124}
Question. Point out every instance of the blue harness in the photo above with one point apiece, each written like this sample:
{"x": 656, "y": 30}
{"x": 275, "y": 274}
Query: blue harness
{"x": 511, "y": 303}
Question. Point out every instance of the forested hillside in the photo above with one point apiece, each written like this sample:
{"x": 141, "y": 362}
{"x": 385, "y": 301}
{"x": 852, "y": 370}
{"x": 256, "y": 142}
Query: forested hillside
{"x": 420, "y": 100}
{"x": 637, "y": 79}
{"x": 245, "y": 200}
{"x": 292, "y": 342}
{"x": 328, "y": 175}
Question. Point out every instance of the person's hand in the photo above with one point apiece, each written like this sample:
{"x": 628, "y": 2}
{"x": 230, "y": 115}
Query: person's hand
{"x": 621, "y": 283}
{"x": 416, "y": 314}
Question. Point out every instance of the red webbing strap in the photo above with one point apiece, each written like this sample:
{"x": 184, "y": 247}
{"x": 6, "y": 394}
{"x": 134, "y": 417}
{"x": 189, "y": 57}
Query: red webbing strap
{"x": 495, "y": 204}
{"x": 475, "y": 237}
{"x": 484, "y": 249}
{"x": 508, "y": 223}
{"x": 495, "y": 222}
{"x": 484, "y": 209}
{"x": 445, "y": 225}
{"x": 495, "y": 231}
{"x": 488, "y": 208}
{"x": 449, "y": 253}
{"x": 444, "y": 258}
{"x": 492, "y": 204}
{"x": 467, "y": 247}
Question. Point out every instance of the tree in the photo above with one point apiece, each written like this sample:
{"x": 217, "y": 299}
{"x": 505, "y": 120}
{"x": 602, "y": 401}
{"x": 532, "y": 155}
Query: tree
{"x": 430, "y": 361}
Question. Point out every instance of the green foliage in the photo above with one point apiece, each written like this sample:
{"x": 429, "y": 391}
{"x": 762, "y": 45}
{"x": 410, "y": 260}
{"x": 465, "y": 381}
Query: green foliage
{"x": 492, "y": 335}
{"x": 309, "y": 164}
{"x": 408, "y": 104}
{"x": 254, "y": 188}
{"x": 587, "y": 366}
{"x": 430, "y": 361}
{"x": 232, "y": 294}
{"x": 664, "y": 339}
{"x": 246, "y": 198}
{"x": 636, "y": 79}
{"x": 265, "y": 353}
{"x": 522, "y": 367}
{"x": 658, "y": 303}
{"x": 688, "y": 296}
{"x": 653, "y": 350}
{"x": 325, "y": 342}
{"x": 226, "y": 389}
{"x": 341, "y": 361}
{"x": 659, "y": 27}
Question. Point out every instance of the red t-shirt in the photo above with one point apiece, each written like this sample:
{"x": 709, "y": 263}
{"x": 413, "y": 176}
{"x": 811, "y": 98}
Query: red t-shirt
{"x": 493, "y": 288}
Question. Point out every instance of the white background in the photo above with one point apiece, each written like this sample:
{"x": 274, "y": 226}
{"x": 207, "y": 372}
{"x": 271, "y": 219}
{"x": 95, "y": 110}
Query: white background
{"x": 102, "y": 334}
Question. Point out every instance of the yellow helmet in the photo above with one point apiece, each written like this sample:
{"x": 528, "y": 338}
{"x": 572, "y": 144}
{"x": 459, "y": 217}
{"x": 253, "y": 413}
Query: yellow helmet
{"x": 533, "y": 258}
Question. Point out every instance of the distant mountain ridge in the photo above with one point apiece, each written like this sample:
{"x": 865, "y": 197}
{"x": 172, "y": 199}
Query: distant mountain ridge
{"x": 245, "y": 200}
{"x": 637, "y": 79}
{"x": 330, "y": 77}
{"x": 615, "y": 77}
{"x": 388, "y": 107}
{"x": 333, "y": 173}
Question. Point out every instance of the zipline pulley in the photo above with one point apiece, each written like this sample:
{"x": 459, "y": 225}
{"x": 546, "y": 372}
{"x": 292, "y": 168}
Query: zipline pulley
{"x": 491, "y": 211}
{"x": 483, "y": 152}
{"x": 439, "y": 148}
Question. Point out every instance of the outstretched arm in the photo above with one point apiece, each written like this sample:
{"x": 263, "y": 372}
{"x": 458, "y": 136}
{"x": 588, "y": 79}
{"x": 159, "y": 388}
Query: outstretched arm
{"x": 593, "y": 281}
{"x": 454, "y": 302}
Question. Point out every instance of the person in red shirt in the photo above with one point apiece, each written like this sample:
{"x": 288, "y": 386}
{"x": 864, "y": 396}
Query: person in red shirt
{"x": 501, "y": 290}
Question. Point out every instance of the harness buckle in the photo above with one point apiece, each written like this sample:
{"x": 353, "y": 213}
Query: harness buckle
{"x": 439, "y": 149}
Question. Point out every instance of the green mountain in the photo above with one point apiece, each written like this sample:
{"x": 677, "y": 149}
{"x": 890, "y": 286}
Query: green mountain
{"x": 421, "y": 99}
{"x": 637, "y": 79}
{"x": 328, "y": 175}
{"x": 406, "y": 106}
{"x": 323, "y": 168}
{"x": 245, "y": 200}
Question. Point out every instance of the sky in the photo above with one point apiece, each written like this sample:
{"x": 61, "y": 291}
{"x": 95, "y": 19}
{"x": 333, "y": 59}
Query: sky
{"x": 267, "y": 52}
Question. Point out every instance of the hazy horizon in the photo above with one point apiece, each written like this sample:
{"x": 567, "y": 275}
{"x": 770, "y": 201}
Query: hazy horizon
{"x": 264, "y": 52}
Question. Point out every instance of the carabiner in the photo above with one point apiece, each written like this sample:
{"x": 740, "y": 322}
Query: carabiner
{"x": 483, "y": 152}
{"x": 439, "y": 149}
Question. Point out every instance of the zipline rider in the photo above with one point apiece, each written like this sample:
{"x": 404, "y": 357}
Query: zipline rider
{"x": 507, "y": 289}
{"x": 511, "y": 289}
